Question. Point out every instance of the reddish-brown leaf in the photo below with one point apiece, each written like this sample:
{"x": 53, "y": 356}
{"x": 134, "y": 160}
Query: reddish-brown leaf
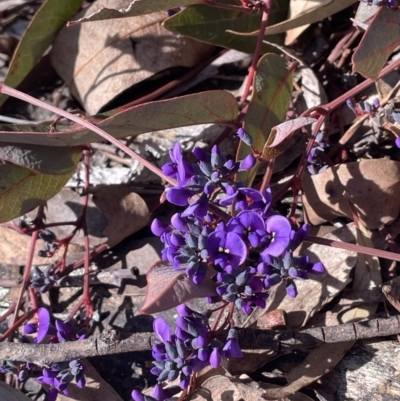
{"x": 280, "y": 137}
{"x": 167, "y": 288}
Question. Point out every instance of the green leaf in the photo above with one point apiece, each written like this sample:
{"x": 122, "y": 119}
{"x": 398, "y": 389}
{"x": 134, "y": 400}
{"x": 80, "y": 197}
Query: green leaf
{"x": 30, "y": 175}
{"x": 210, "y": 25}
{"x": 218, "y": 107}
{"x": 309, "y": 17}
{"x": 268, "y": 106}
{"x": 137, "y": 7}
{"x": 378, "y": 43}
{"x": 48, "y": 20}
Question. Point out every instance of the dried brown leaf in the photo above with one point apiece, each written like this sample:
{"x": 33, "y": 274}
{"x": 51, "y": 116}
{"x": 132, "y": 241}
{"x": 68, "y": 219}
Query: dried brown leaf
{"x": 167, "y": 288}
{"x": 101, "y": 59}
{"x": 125, "y": 210}
{"x": 372, "y": 185}
{"x": 318, "y": 363}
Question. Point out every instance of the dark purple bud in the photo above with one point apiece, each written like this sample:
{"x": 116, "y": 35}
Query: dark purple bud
{"x": 291, "y": 290}
{"x": 30, "y": 328}
{"x": 217, "y": 160}
{"x": 158, "y": 227}
{"x": 178, "y": 196}
{"x": 215, "y": 358}
{"x": 317, "y": 268}
{"x": 137, "y": 395}
{"x": 23, "y": 375}
{"x": 247, "y": 163}
{"x": 396, "y": 117}
{"x": 179, "y": 223}
{"x": 209, "y": 188}
{"x": 351, "y": 104}
{"x": 244, "y": 136}
{"x": 376, "y": 103}
{"x": 171, "y": 350}
{"x": 203, "y": 354}
{"x": 264, "y": 268}
{"x": 206, "y": 168}
{"x": 201, "y": 154}
{"x": 160, "y": 394}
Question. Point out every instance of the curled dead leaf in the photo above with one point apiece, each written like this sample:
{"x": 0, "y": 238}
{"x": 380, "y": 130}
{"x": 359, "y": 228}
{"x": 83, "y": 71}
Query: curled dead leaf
{"x": 372, "y": 185}
{"x": 167, "y": 288}
{"x": 280, "y": 137}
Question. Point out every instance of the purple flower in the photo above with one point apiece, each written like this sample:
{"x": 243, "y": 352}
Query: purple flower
{"x": 232, "y": 348}
{"x": 63, "y": 330}
{"x": 291, "y": 290}
{"x": 239, "y": 196}
{"x": 178, "y": 196}
{"x": 44, "y": 325}
{"x": 278, "y": 234}
{"x": 197, "y": 208}
{"x": 317, "y": 268}
{"x": 215, "y": 358}
{"x": 248, "y": 225}
{"x": 137, "y": 395}
{"x": 162, "y": 329}
{"x": 226, "y": 249}
{"x": 158, "y": 227}
{"x": 178, "y": 168}
{"x": 160, "y": 394}
{"x": 398, "y": 142}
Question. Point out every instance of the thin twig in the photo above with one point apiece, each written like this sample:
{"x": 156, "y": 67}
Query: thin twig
{"x": 276, "y": 340}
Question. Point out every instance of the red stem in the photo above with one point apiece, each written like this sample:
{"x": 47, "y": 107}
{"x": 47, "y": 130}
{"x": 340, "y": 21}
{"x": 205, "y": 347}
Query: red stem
{"x": 356, "y": 248}
{"x": 257, "y": 51}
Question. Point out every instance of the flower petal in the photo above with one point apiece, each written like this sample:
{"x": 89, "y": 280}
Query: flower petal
{"x": 162, "y": 329}
{"x": 178, "y": 196}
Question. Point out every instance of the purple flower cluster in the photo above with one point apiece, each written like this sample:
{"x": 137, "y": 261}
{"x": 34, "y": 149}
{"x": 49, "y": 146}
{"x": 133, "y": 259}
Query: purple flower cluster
{"x": 316, "y": 165}
{"x": 363, "y": 107}
{"x": 50, "y": 245}
{"x": 59, "y": 375}
{"x": 20, "y": 369}
{"x": 43, "y": 280}
{"x": 245, "y": 255}
{"x": 186, "y": 352}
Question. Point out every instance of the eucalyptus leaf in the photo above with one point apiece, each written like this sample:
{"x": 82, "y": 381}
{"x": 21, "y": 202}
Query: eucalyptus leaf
{"x": 218, "y": 107}
{"x": 268, "y": 106}
{"x": 29, "y": 176}
{"x": 213, "y": 25}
